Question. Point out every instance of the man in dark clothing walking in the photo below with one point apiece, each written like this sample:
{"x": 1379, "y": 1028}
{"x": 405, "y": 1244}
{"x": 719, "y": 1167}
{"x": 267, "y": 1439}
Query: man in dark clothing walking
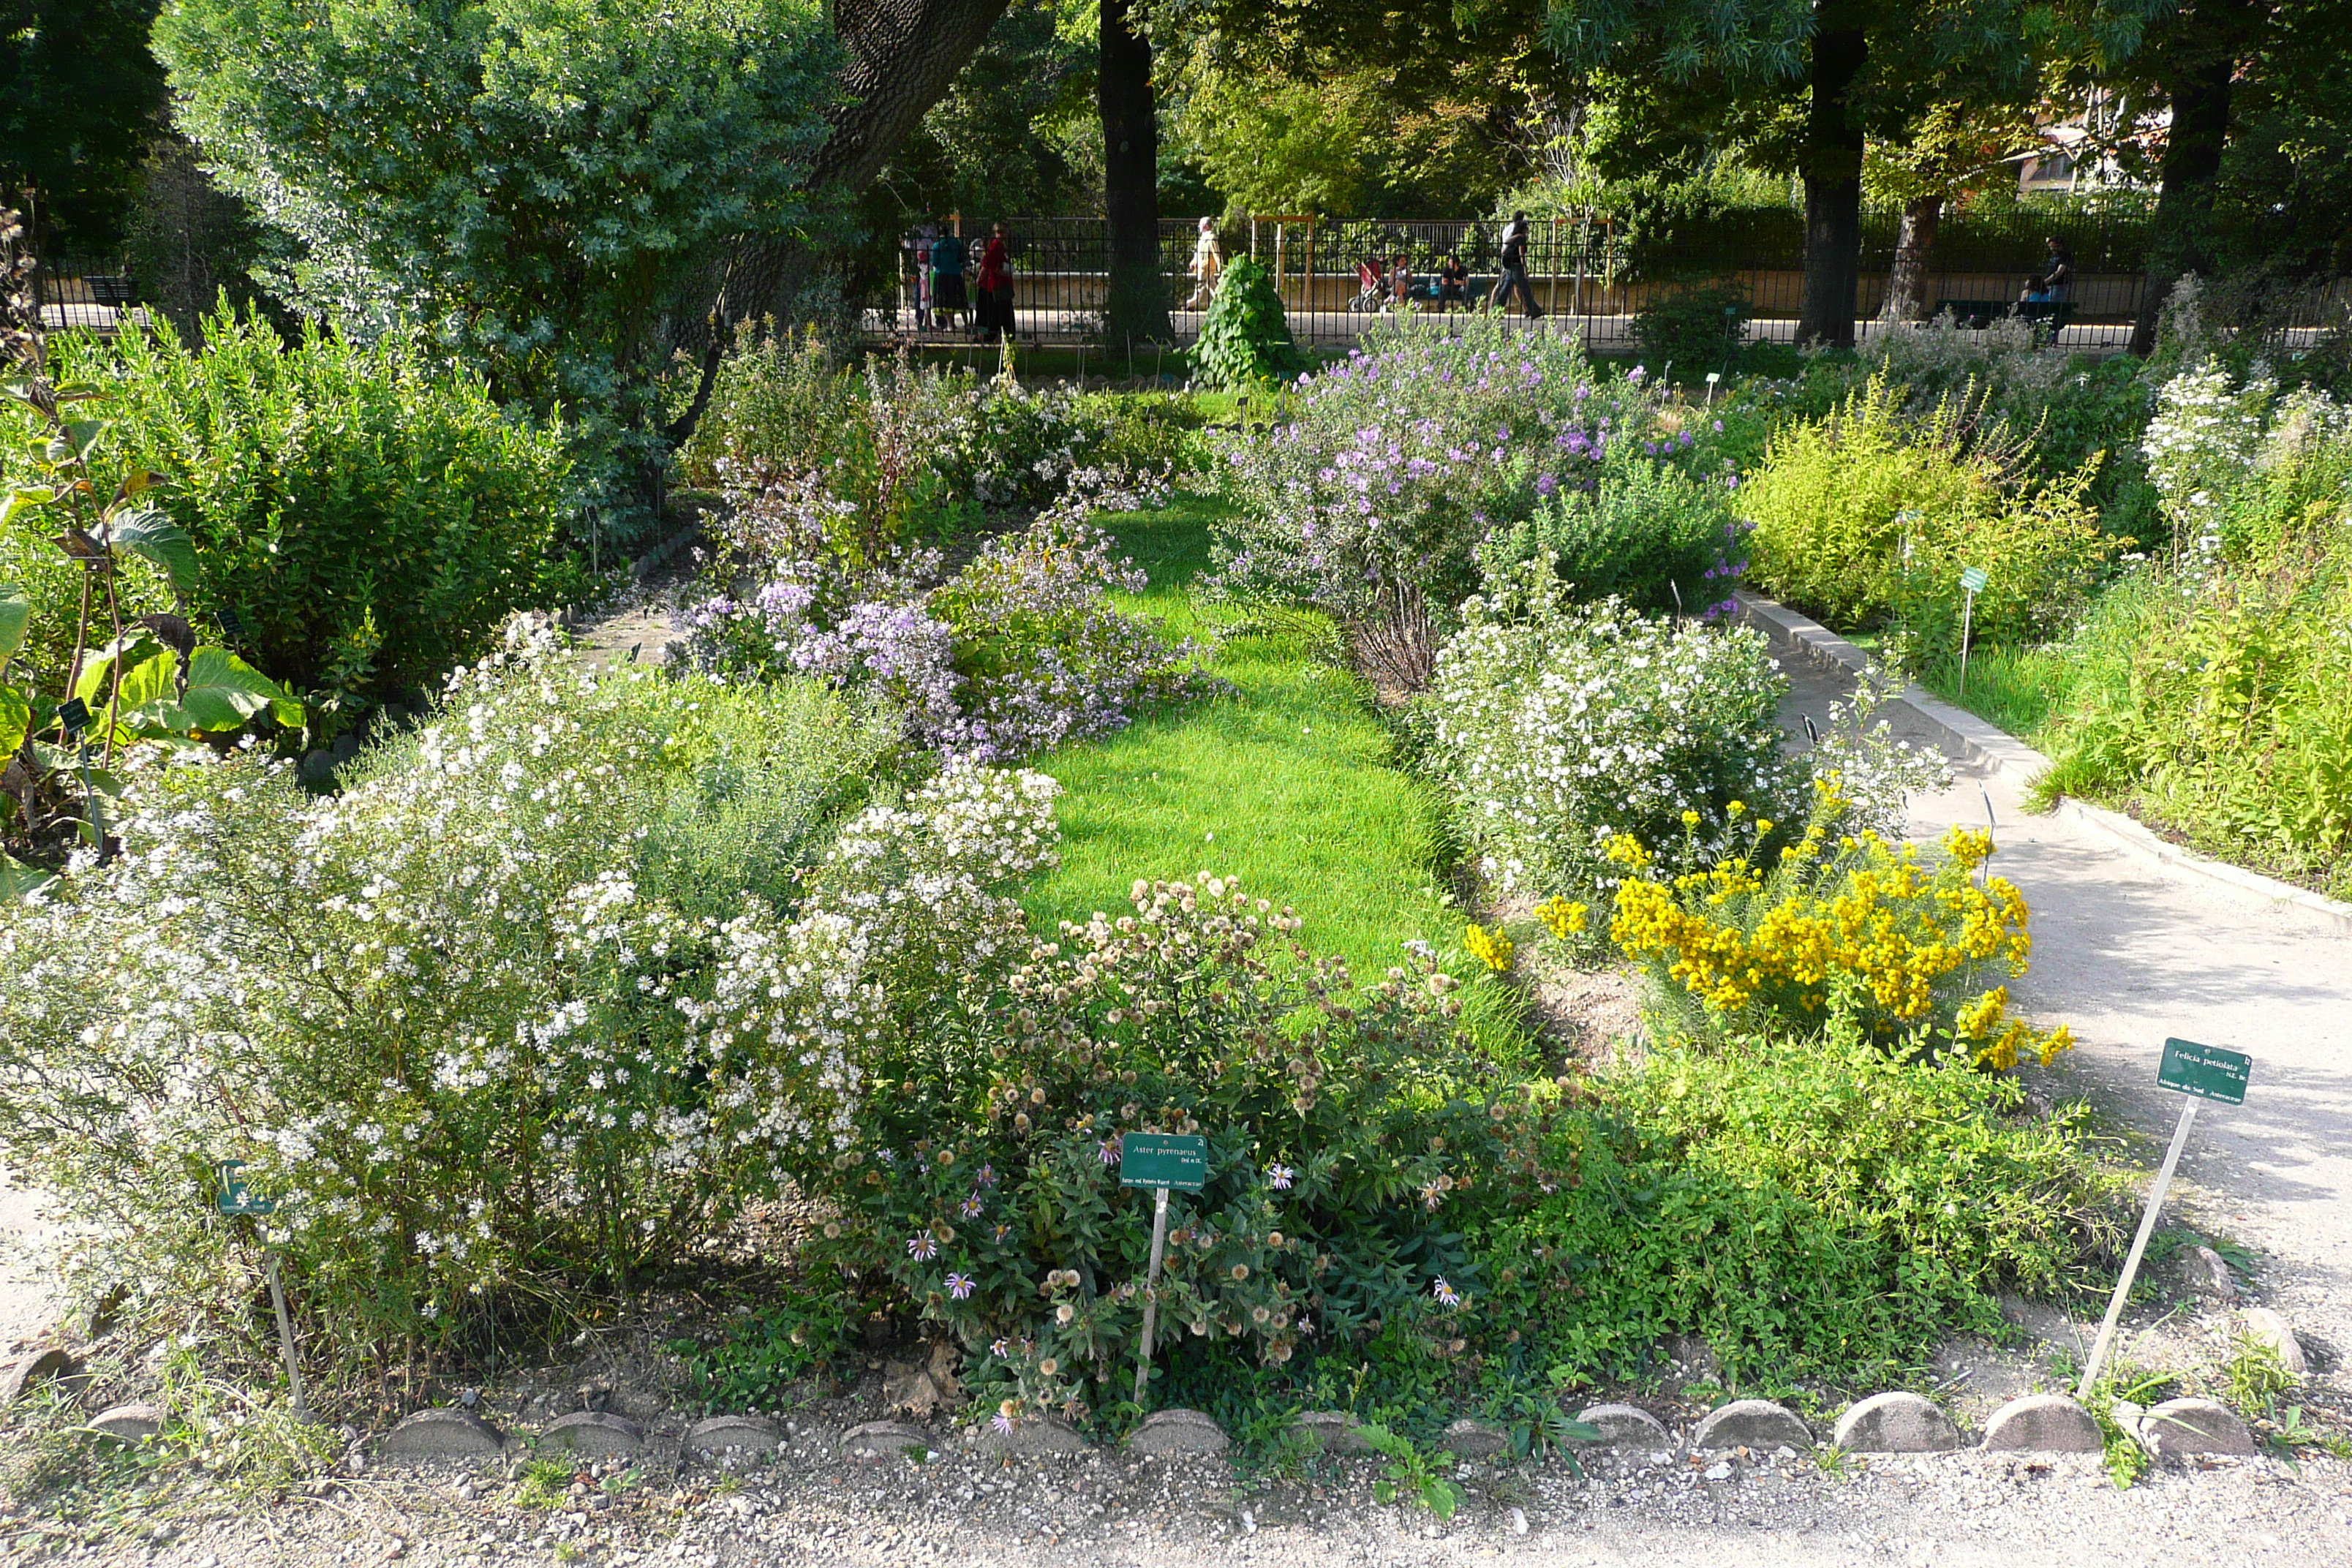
{"x": 1515, "y": 271}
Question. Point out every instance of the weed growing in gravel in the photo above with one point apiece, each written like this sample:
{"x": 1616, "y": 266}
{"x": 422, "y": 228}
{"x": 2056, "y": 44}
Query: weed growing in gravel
{"x": 545, "y": 1483}
{"x": 1412, "y": 1474}
{"x": 2253, "y": 1376}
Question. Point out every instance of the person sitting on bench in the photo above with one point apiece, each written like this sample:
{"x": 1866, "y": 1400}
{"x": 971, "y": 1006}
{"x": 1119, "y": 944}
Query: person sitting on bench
{"x": 2054, "y": 283}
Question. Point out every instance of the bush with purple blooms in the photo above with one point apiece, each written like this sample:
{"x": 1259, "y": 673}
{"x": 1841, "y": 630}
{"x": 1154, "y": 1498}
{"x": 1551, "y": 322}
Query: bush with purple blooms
{"x": 1016, "y": 653}
{"x": 1372, "y": 496}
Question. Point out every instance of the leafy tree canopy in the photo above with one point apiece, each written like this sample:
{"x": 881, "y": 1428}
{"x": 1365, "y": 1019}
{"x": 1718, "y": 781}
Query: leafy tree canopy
{"x": 80, "y": 96}
{"x": 541, "y": 181}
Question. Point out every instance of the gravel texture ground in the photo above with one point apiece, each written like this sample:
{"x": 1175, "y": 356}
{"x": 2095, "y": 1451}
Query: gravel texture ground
{"x": 1957, "y": 1508}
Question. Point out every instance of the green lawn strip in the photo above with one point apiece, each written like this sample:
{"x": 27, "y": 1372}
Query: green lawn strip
{"x": 2014, "y": 690}
{"x": 1287, "y": 783}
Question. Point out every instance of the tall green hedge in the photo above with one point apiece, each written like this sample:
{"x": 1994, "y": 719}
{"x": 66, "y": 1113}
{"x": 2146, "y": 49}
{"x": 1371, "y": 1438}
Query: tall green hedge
{"x": 366, "y": 514}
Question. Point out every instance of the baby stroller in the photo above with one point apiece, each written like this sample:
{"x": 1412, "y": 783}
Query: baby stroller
{"x": 1372, "y": 289}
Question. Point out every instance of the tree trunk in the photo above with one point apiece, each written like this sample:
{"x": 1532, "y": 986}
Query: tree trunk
{"x": 2200, "y": 57}
{"x": 1833, "y": 170}
{"x": 900, "y": 56}
{"x": 1138, "y": 303}
{"x": 1915, "y": 243}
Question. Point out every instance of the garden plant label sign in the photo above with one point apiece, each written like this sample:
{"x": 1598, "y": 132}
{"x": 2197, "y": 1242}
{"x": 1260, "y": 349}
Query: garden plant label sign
{"x": 1164, "y": 1161}
{"x": 1174, "y": 1160}
{"x": 2208, "y": 1072}
{"x": 2200, "y": 1073}
{"x": 1973, "y": 582}
{"x": 236, "y": 1198}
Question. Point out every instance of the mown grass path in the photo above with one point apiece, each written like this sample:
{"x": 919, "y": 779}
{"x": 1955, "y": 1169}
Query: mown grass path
{"x": 1289, "y": 783}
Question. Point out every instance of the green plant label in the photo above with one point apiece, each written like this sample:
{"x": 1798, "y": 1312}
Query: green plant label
{"x": 1973, "y": 579}
{"x": 235, "y": 1197}
{"x": 2208, "y": 1072}
{"x": 1175, "y": 1160}
{"x": 73, "y": 717}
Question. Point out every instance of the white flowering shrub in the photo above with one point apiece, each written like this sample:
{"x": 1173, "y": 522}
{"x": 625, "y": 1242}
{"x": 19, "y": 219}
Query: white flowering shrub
{"x": 2215, "y": 692}
{"x": 1551, "y": 728}
{"x": 557, "y": 983}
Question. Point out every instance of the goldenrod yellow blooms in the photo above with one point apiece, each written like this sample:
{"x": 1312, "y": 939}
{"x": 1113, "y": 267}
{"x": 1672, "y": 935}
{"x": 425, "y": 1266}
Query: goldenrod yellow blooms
{"x": 1867, "y": 929}
{"x": 1491, "y": 948}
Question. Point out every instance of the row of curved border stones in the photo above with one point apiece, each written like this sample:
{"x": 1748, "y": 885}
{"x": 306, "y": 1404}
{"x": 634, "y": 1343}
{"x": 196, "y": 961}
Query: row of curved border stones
{"x": 2044, "y": 1423}
{"x": 1033, "y": 1434}
{"x": 444, "y": 1434}
{"x": 871, "y": 1442}
{"x": 1333, "y": 1431}
{"x": 1897, "y": 1423}
{"x": 1625, "y": 1426}
{"x": 734, "y": 1435}
{"x": 1473, "y": 1439}
{"x": 1892, "y": 1423}
{"x": 1753, "y": 1424}
{"x": 22, "y": 1374}
{"x": 593, "y": 1432}
{"x": 128, "y": 1423}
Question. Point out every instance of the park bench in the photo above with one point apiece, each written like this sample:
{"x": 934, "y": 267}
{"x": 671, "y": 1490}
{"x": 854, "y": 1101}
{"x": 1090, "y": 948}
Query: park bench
{"x": 1978, "y": 314}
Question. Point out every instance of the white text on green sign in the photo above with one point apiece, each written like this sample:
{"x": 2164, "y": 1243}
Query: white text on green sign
{"x": 1973, "y": 579}
{"x": 235, "y": 1198}
{"x": 1176, "y": 1160}
{"x": 2209, "y": 1072}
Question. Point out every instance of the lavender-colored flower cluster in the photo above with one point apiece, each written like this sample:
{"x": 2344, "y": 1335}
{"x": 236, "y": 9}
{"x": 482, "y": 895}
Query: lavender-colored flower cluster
{"x": 1016, "y": 653}
{"x": 1393, "y": 466}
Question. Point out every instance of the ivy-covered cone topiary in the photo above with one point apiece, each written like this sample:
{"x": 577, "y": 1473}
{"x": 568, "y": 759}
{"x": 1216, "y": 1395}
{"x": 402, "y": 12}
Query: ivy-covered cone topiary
{"x": 1245, "y": 337}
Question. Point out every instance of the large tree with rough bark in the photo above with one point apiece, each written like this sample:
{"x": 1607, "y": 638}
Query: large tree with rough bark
{"x": 1138, "y": 302}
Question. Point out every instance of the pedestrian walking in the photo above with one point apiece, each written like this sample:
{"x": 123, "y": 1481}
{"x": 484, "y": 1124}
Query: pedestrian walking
{"x": 1208, "y": 262}
{"x": 1514, "y": 278}
{"x": 995, "y": 310}
{"x": 948, "y": 296}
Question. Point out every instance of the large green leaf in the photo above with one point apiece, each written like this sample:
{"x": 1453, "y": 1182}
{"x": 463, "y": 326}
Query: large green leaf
{"x": 143, "y": 530}
{"x": 18, "y": 497}
{"x": 15, "y": 721}
{"x": 224, "y": 691}
{"x": 16, "y": 879}
{"x": 133, "y": 647}
{"x": 15, "y": 615}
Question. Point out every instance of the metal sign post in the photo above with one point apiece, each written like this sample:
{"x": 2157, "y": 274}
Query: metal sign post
{"x": 237, "y": 1201}
{"x": 1973, "y": 582}
{"x": 1166, "y": 1161}
{"x": 2199, "y": 1072}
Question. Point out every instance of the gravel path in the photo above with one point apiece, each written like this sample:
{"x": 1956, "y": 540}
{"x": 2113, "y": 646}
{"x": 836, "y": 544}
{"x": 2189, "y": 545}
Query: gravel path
{"x": 28, "y": 1303}
{"x": 1962, "y": 1510}
{"x": 2128, "y": 952}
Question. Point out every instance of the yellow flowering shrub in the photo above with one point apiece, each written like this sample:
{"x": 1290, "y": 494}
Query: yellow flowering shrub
{"x": 1834, "y": 924}
{"x": 1491, "y": 948}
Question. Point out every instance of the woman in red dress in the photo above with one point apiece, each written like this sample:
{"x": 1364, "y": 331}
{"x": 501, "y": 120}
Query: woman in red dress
{"x": 995, "y": 281}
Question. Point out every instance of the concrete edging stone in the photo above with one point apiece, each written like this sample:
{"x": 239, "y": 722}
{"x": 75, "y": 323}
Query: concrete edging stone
{"x": 1999, "y": 752}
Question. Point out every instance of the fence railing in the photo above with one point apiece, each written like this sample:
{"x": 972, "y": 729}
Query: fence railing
{"x": 1335, "y": 276}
